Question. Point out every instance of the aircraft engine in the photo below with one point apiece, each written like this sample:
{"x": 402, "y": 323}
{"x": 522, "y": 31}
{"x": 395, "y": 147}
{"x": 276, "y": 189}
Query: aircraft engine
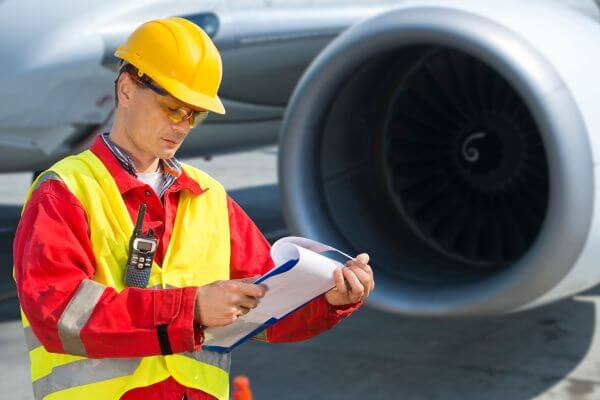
{"x": 456, "y": 142}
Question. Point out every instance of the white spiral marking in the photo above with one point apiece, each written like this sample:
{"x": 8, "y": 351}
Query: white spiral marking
{"x": 471, "y": 154}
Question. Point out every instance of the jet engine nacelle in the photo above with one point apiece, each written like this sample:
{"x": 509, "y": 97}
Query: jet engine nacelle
{"x": 457, "y": 143}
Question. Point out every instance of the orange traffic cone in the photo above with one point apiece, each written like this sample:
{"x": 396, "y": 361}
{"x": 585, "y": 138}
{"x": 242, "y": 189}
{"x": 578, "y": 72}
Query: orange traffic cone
{"x": 241, "y": 388}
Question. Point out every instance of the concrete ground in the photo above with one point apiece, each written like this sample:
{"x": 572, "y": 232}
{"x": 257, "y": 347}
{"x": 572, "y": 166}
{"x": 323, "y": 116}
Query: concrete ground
{"x": 548, "y": 353}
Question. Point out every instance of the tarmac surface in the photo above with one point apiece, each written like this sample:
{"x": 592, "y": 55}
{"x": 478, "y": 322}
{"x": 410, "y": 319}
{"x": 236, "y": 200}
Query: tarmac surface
{"x": 547, "y": 353}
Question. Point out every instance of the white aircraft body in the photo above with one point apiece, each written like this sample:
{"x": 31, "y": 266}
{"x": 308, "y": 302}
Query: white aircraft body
{"x": 58, "y": 69}
{"x": 454, "y": 140}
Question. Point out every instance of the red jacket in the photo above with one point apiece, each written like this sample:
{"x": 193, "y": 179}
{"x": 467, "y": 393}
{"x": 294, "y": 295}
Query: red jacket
{"x": 52, "y": 254}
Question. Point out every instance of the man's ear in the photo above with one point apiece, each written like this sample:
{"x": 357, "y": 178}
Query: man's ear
{"x": 125, "y": 89}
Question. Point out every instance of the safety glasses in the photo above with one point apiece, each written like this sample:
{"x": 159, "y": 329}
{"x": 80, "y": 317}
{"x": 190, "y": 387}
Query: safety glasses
{"x": 168, "y": 104}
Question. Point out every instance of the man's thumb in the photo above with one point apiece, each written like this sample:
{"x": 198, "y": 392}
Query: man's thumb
{"x": 363, "y": 258}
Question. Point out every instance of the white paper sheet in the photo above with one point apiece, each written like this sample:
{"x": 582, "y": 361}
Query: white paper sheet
{"x": 311, "y": 274}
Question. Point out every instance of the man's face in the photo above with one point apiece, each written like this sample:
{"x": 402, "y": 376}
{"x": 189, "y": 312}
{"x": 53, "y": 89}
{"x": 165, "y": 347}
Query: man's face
{"x": 148, "y": 127}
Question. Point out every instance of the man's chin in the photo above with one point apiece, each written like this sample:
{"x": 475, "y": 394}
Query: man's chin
{"x": 166, "y": 154}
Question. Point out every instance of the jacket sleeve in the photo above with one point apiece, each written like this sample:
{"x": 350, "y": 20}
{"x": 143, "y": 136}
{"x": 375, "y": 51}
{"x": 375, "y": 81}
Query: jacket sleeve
{"x": 250, "y": 255}
{"x": 54, "y": 266}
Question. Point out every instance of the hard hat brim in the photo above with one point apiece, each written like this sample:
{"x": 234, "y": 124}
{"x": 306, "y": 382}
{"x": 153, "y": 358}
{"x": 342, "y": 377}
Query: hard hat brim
{"x": 188, "y": 96}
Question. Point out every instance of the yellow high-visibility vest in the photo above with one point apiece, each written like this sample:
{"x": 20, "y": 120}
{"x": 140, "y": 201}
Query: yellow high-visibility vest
{"x": 198, "y": 253}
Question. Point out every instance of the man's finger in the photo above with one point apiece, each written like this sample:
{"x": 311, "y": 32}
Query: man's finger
{"x": 366, "y": 267}
{"x": 361, "y": 265}
{"x": 357, "y": 290}
{"x": 363, "y": 258}
{"x": 244, "y": 310}
{"x": 250, "y": 289}
{"x": 235, "y": 312}
{"x": 340, "y": 284}
{"x": 238, "y": 311}
{"x": 364, "y": 278}
{"x": 248, "y": 302}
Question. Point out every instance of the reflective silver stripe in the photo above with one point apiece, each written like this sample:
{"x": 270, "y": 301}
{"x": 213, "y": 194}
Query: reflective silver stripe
{"x": 30, "y": 338}
{"x": 46, "y": 177}
{"x": 219, "y": 360}
{"x": 76, "y": 315}
{"x": 83, "y": 372}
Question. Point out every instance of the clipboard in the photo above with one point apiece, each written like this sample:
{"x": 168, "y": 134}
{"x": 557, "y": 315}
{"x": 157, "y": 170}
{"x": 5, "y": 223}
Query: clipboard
{"x": 304, "y": 270}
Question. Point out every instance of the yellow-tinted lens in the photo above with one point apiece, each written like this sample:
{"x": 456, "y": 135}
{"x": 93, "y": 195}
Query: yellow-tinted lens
{"x": 200, "y": 116}
{"x": 194, "y": 117}
{"x": 174, "y": 114}
{"x": 177, "y": 113}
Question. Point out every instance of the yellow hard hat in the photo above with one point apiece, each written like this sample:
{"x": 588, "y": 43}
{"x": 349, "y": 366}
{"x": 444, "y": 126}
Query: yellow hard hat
{"x": 179, "y": 56}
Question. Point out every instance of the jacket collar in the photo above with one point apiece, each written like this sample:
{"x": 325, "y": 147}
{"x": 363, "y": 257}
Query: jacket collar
{"x": 125, "y": 177}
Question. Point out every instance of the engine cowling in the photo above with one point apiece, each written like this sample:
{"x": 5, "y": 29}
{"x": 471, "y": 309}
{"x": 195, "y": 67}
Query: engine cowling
{"x": 456, "y": 142}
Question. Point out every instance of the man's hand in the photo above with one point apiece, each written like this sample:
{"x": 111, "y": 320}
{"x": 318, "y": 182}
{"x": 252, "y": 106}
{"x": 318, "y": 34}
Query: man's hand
{"x": 221, "y": 303}
{"x": 352, "y": 283}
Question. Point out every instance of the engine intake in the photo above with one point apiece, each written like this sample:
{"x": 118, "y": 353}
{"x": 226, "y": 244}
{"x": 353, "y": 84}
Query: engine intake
{"x": 453, "y": 143}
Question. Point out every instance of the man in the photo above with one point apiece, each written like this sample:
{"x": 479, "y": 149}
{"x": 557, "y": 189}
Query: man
{"x": 90, "y": 335}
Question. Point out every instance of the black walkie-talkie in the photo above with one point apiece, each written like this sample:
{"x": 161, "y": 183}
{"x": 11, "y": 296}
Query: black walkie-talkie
{"x": 141, "y": 253}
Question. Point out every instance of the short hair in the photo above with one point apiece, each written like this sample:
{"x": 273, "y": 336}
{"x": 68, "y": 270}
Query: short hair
{"x": 120, "y": 70}
{"x": 123, "y": 66}
{"x": 131, "y": 70}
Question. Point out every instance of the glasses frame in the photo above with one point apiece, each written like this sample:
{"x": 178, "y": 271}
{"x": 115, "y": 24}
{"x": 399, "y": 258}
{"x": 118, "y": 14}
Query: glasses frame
{"x": 194, "y": 117}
